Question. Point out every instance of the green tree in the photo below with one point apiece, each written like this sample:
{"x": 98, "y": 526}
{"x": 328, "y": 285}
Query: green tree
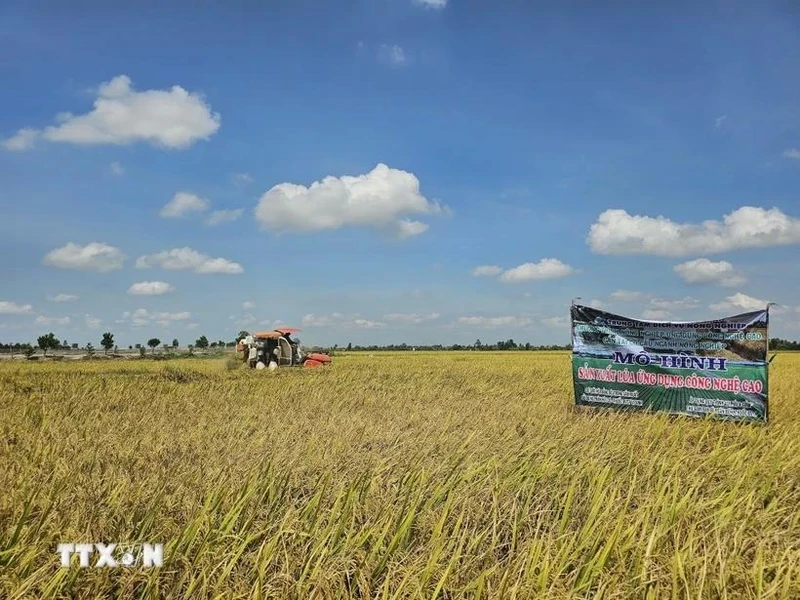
{"x": 153, "y": 343}
{"x": 107, "y": 342}
{"x": 175, "y": 343}
{"x": 202, "y": 342}
{"x": 242, "y": 334}
{"x": 90, "y": 349}
{"x": 47, "y": 342}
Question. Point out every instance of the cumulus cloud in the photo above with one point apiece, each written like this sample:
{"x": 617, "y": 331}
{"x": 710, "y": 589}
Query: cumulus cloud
{"x": 703, "y": 270}
{"x": 599, "y": 305}
{"x": 150, "y": 288}
{"x": 434, "y": 4}
{"x": 340, "y": 320}
{"x": 486, "y": 271}
{"x": 92, "y": 322}
{"x": 95, "y": 256}
{"x": 378, "y": 199}
{"x": 117, "y": 168}
{"x": 12, "y": 308}
{"x": 410, "y": 318}
{"x": 740, "y": 301}
{"x": 627, "y": 295}
{"x": 617, "y": 232}
{"x": 393, "y": 54}
{"x": 681, "y": 304}
{"x": 24, "y": 139}
{"x": 224, "y": 216}
{"x": 556, "y": 322}
{"x": 241, "y": 179}
{"x": 247, "y": 319}
{"x": 64, "y": 298}
{"x": 183, "y": 203}
{"x": 493, "y": 322}
{"x": 792, "y": 153}
{"x": 188, "y": 260}
{"x": 173, "y": 118}
{"x": 42, "y": 320}
{"x": 407, "y": 228}
{"x": 547, "y": 268}
{"x": 141, "y": 317}
{"x": 248, "y": 305}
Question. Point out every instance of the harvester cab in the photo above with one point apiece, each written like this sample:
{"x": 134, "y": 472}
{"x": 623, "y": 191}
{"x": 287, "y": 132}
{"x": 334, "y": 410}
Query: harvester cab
{"x": 277, "y": 348}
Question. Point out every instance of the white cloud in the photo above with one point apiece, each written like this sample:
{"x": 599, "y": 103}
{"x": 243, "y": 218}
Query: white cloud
{"x": 407, "y": 228}
{"x": 617, "y": 232}
{"x": 682, "y": 304}
{"x": 703, "y": 270}
{"x": 248, "y": 305}
{"x": 486, "y": 271}
{"x": 188, "y": 259}
{"x": 183, "y": 203}
{"x": 64, "y": 298}
{"x": 192, "y": 326}
{"x": 740, "y": 301}
{"x": 150, "y": 288}
{"x": 223, "y": 216}
{"x": 627, "y": 295}
{"x": 247, "y": 319}
{"x": 42, "y": 320}
{"x": 96, "y": 256}
{"x": 365, "y": 324}
{"x": 242, "y": 179}
{"x": 117, "y": 168}
{"x": 792, "y": 153}
{"x": 377, "y": 199}
{"x": 141, "y": 317}
{"x": 492, "y": 322}
{"x": 559, "y": 322}
{"x": 597, "y": 304}
{"x": 651, "y": 314}
{"x": 394, "y": 54}
{"x": 93, "y": 322}
{"x": 172, "y": 118}
{"x": 411, "y": 319}
{"x": 719, "y": 120}
{"x": 435, "y": 4}
{"x": 547, "y": 268}
{"x": 24, "y": 139}
{"x": 340, "y": 321}
{"x": 12, "y": 308}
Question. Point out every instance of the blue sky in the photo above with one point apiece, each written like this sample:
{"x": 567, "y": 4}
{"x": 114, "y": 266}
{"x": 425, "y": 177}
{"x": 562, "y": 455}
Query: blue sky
{"x": 157, "y": 164}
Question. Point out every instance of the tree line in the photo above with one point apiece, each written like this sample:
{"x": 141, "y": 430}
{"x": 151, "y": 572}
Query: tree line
{"x": 49, "y": 341}
{"x": 509, "y": 344}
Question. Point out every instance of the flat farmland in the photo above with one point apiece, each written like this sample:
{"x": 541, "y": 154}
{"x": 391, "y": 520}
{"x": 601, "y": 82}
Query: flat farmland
{"x": 391, "y": 475}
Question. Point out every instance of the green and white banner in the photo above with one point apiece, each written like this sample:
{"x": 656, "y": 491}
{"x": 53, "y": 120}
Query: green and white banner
{"x": 695, "y": 368}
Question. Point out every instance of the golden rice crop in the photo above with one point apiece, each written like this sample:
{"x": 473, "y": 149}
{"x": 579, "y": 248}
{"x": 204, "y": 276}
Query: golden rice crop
{"x": 415, "y": 475}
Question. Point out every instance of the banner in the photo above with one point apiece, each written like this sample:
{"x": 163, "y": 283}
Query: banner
{"x": 693, "y": 368}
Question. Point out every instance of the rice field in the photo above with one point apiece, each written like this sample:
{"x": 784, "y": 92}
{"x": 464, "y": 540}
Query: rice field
{"x": 442, "y": 475}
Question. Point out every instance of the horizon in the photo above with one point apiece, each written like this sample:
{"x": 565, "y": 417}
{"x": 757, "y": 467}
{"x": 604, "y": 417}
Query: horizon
{"x": 422, "y": 172}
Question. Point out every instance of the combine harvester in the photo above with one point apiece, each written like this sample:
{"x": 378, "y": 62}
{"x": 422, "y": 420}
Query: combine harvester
{"x": 273, "y": 349}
